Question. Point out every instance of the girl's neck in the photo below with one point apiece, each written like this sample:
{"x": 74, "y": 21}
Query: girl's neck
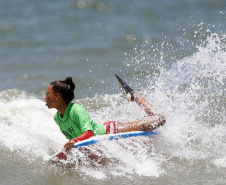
{"x": 62, "y": 108}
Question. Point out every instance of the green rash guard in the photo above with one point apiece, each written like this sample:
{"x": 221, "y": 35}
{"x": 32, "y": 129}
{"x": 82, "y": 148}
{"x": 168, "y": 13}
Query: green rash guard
{"x": 76, "y": 121}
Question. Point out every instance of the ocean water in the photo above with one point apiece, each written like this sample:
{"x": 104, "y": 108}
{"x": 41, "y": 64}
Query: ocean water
{"x": 171, "y": 51}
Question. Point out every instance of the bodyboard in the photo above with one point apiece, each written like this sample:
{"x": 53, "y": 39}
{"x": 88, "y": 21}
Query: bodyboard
{"x": 62, "y": 155}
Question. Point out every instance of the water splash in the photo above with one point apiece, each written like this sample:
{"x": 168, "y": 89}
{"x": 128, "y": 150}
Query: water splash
{"x": 191, "y": 93}
{"x": 26, "y": 124}
{"x": 125, "y": 157}
{"x": 194, "y": 90}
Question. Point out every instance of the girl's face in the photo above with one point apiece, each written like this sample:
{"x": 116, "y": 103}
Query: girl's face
{"x": 51, "y": 98}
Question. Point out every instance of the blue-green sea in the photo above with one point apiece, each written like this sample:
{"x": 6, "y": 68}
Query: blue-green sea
{"x": 172, "y": 52}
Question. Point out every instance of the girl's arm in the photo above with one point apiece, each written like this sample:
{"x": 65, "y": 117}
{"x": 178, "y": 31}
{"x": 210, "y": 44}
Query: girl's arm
{"x": 86, "y": 135}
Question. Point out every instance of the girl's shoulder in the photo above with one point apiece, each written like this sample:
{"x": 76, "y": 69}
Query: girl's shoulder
{"x": 77, "y": 108}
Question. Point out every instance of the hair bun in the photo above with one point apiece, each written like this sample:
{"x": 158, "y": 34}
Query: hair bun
{"x": 69, "y": 81}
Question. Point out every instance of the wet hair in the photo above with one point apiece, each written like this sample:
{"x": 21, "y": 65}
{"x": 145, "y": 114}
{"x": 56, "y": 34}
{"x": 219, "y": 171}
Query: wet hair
{"x": 65, "y": 88}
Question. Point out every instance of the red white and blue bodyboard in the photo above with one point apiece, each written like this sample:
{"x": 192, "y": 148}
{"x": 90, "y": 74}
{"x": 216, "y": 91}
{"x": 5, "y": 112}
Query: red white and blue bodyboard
{"x": 62, "y": 155}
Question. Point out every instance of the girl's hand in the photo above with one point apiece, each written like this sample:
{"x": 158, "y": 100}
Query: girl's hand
{"x": 85, "y": 135}
{"x": 69, "y": 145}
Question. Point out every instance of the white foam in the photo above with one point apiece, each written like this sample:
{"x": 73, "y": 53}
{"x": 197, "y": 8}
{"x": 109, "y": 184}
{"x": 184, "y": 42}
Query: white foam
{"x": 28, "y": 126}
